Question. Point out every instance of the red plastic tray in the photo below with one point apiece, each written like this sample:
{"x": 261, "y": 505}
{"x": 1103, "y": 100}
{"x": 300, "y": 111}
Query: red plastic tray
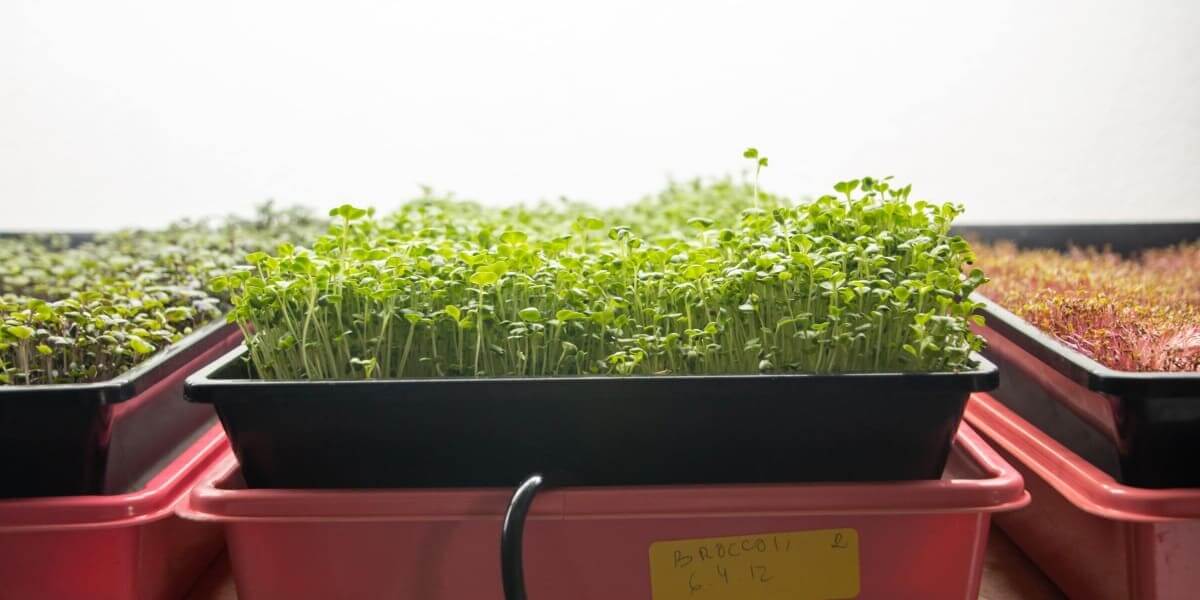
{"x": 148, "y": 427}
{"x": 1096, "y": 538}
{"x": 922, "y": 539}
{"x": 118, "y": 547}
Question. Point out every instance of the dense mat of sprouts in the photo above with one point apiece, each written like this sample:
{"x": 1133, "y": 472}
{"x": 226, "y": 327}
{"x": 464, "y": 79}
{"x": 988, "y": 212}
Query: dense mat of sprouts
{"x": 84, "y": 313}
{"x": 701, "y": 279}
{"x": 1139, "y": 314}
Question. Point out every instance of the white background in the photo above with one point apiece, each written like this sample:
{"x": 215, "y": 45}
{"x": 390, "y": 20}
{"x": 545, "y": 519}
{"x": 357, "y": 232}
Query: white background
{"x": 119, "y": 113}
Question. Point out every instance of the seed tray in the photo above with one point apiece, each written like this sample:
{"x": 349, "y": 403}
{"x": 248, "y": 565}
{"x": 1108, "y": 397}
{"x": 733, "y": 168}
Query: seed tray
{"x": 453, "y": 432}
{"x": 129, "y": 546}
{"x": 1141, "y": 428}
{"x": 882, "y": 540}
{"x": 1094, "y": 537}
{"x": 104, "y": 437}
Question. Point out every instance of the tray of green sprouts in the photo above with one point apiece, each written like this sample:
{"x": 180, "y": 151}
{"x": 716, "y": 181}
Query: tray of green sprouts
{"x": 97, "y": 332}
{"x": 678, "y": 340}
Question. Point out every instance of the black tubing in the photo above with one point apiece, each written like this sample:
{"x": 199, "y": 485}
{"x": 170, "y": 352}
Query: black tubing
{"x": 512, "y": 571}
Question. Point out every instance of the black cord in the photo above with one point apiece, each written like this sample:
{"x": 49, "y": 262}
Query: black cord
{"x": 512, "y": 572}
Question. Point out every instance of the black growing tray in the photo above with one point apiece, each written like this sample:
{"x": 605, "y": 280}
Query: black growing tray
{"x": 452, "y": 432}
{"x": 73, "y": 439}
{"x": 1142, "y": 428}
{"x": 1123, "y": 238}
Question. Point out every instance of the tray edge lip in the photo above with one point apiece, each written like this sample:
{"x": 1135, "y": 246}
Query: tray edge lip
{"x": 154, "y": 501}
{"x": 203, "y": 387}
{"x": 999, "y": 488}
{"x": 1081, "y": 483}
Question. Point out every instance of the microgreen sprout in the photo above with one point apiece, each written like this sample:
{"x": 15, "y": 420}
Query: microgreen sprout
{"x": 695, "y": 280}
{"x": 759, "y": 162}
{"x": 1135, "y": 314}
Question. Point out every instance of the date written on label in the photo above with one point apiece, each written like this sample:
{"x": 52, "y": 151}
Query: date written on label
{"x": 797, "y": 565}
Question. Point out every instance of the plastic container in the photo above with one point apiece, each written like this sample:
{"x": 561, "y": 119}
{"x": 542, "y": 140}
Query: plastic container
{"x": 1124, "y": 238}
{"x": 1141, "y": 428}
{"x": 105, "y": 437}
{"x": 452, "y": 432}
{"x": 921, "y": 539}
{"x": 121, "y": 547}
{"x": 72, "y": 238}
{"x": 1092, "y": 536}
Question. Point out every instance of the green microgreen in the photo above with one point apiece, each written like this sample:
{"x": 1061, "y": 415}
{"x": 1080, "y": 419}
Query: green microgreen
{"x": 759, "y": 162}
{"x": 702, "y": 278}
{"x": 78, "y": 314}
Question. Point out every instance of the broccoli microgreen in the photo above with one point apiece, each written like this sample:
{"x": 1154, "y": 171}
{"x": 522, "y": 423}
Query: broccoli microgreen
{"x": 702, "y": 278}
{"x": 759, "y": 162}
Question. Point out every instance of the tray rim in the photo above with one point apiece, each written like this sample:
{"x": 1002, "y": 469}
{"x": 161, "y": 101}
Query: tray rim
{"x": 208, "y": 386}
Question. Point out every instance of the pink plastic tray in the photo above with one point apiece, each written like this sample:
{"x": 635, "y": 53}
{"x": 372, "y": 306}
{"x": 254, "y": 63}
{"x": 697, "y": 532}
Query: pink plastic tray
{"x": 120, "y": 547}
{"x": 1094, "y": 537}
{"x": 148, "y": 427}
{"x": 920, "y": 539}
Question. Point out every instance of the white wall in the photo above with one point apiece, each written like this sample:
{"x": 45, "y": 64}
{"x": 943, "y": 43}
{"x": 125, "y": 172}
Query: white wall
{"x": 119, "y": 113}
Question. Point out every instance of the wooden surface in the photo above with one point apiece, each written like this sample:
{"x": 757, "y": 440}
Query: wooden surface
{"x": 1007, "y": 575}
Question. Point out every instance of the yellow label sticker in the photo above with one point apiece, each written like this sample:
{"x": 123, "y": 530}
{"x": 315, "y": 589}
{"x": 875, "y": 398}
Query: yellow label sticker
{"x": 800, "y": 565}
